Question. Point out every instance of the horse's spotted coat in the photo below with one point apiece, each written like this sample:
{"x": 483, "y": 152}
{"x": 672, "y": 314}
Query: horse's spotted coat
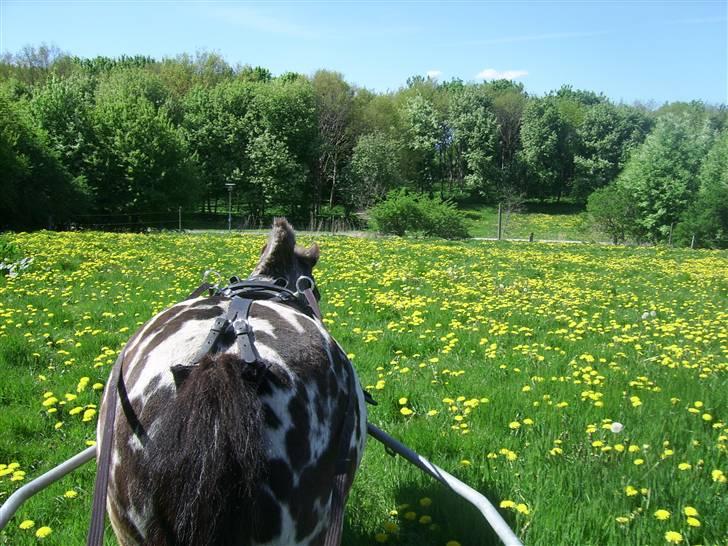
{"x": 302, "y": 401}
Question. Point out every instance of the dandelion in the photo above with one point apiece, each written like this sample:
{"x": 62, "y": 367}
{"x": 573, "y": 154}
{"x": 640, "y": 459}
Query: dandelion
{"x": 402, "y": 401}
{"x": 693, "y": 522}
{"x": 43, "y": 532}
{"x": 406, "y": 411}
{"x": 411, "y": 516}
{"x": 638, "y": 462}
{"x": 391, "y": 527}
{"x": 523, "y": 509}
{"x": 514, "y": 425}
{"x": 70, "y": 494}
{"x": 424, "y": 520}
{"x": 381, "y": 537}
{"x": 684, "y": 466}
{"x": 452, "y": 543}
{"x": 630, "y": 491}
{"x": 718, "y": 476}
{"x": 662, "y": 514}
{"x": 673, "y": 537}
{"x": 425, "y": 502}
{"x": 690, "y": 511}
{"x": 622, "y": 519}
{"x": 432, "y": 413}
{"x": 27, "y": 524}
{"x": 507, "y": 504}
{"x": 616, "y": 427}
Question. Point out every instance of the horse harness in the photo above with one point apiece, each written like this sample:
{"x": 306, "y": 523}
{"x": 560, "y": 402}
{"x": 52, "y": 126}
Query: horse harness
{"x": 242, "y": 294}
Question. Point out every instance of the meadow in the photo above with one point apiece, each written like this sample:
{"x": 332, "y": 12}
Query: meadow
{"x": 582, "y": 388}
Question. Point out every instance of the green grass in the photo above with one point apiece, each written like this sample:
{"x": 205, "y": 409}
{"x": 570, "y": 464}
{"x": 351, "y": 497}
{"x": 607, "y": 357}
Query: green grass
{"x": 475, "y": 333}
{"x": 547, "y": 222}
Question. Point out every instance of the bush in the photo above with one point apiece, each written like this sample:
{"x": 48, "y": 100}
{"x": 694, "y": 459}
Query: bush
{"x": 403, "y": 212}
{"x": 613, "y": 211}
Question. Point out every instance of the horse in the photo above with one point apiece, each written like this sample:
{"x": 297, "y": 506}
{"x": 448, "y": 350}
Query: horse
{"x": 219, "y": 450}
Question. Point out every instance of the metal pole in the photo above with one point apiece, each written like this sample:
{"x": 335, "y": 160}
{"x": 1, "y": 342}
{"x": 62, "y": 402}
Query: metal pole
{"x": 485, "y": 507}
{"x": 500, "y": 221}
{"x": 31, "y": 488}
{"x": 230, "y": 209}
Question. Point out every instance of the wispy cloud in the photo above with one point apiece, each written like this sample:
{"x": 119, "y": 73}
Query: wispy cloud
{"x": 434, "y": 74}
{"x": 253, "y": 20}
{"x": 535, "y": 37}
{"x": 493, "y": 74}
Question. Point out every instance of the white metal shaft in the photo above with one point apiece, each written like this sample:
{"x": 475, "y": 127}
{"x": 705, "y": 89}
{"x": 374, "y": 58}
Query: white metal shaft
{"x": 14, "y": 501}
{"x": 499, "y": 525}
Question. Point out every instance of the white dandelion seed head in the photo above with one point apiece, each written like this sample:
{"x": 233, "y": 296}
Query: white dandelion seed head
{"x": 616, "y": 427}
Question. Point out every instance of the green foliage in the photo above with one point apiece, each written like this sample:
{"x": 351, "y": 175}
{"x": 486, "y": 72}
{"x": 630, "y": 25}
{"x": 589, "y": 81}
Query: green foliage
{"x": 707, "y": 217}
{"x": 36, "y": 189}
{"x": 613, "y": 212}
{"x": 607, "y": 135}
{"x": 374, "y": 169}
{"x": 660, "y": 176}
{"x": 403, "y": 212}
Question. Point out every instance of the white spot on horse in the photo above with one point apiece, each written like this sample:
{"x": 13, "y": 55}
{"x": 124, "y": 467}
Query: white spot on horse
{"x": 262, "y": 325}
{"x": 288, "y": 314}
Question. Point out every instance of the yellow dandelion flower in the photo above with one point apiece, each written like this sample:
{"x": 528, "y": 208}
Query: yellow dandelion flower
{"x": 684, "y": 466}
{"x": 693, "y": 522}
{"x": 391, "y": 527}
{"x": 432, "y": 413}
{"x": 43, "y": 532}
{"x": 27, "y": 524}
{"x": 425, "y": 501}
{"x": 673, "y": 537}
{"x": 638, "y": 462}
{"x": 514, "y": 425}
{"x": 630, "y": 491}
{"x": 411, "y": 516}
{"x": 402, "y": 401}
{"x": 70, "y": 494}
{"x": 452, "y": 543}
{"x": 522, "y": 508}
{"x": 690, "y": 511}
{"x": 406, "y": 411}
{"x": 622, "y": 519}
{"x": 425, "y": 520}
{"x": 507, "y": 504}
{"x": 662, "y": 514}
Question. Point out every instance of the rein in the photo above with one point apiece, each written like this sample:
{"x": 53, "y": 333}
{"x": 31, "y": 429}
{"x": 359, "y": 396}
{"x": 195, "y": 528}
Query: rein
{"x": 242, "y": 294}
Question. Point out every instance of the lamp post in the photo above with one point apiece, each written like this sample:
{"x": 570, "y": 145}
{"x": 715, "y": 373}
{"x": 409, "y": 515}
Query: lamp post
{"x": 230, "y": 187}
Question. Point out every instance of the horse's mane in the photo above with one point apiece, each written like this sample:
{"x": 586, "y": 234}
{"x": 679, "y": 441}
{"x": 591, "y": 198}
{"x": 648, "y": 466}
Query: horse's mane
{"x": 209, "y": 445}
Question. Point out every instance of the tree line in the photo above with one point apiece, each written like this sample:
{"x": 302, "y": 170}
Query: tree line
{"x": 110, "y": 135}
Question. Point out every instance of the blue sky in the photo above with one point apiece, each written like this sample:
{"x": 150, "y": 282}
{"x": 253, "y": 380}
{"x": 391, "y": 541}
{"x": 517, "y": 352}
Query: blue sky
{"x": 629, "y": 50}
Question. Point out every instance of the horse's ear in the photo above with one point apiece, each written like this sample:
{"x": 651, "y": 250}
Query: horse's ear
{"x": 310, "y": 255}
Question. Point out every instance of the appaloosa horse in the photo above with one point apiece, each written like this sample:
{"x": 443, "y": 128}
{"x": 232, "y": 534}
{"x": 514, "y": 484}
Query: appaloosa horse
{"x": 221, "y": 451}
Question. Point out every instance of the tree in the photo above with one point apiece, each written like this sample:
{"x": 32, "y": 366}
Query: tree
{"x": 422, "y": 133}
{"x": 334, "y": 103}
{"x": 36, "y": 189}
{"x": 660, "y": 175}
{"x": 546, "y": 148}
{"x": 707, "y": 216}
{"x": 606, "y": 136}
{"x": 143, "y": 162}
{"x": 475, "y": 136}
{"x": 613, "y": 211}
{"x": 374, "y": 169}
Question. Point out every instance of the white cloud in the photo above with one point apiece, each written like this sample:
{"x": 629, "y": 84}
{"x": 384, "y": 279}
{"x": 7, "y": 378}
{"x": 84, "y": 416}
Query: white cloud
{"x": 434, "y": 74}
{"x": 493, "y": 74}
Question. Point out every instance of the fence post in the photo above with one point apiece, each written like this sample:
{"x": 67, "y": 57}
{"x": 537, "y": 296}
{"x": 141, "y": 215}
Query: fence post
{"x": 530, "y": 237}
{"x": 500, "y": 221}
{"x": 179, "y": 217}
{"x": 692, "y": 242}
{"x": 670, "y": 239}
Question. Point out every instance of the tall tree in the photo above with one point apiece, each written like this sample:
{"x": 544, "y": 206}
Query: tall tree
{"x": 334, "y": 104}
{"x": 661, "y": 175}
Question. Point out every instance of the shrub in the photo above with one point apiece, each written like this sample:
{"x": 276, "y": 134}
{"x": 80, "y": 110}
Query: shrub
{"x": 612, "y": 210}
{"x": 403, "y": 212}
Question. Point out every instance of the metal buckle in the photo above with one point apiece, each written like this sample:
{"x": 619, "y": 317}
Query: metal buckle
{"x": 217, "y": 276}
{"x": 304, "y": 278}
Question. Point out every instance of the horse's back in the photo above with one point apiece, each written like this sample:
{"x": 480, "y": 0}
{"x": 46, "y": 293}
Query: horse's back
{"x": 172, "y": 434}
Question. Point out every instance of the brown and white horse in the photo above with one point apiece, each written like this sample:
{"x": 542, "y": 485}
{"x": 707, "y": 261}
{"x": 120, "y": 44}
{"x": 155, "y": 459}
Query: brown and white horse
{"x": 228, "y": 456}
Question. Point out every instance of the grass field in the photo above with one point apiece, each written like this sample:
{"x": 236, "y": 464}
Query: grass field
{"x": 508, "y": 364}
{"x": 547, "y": 222}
